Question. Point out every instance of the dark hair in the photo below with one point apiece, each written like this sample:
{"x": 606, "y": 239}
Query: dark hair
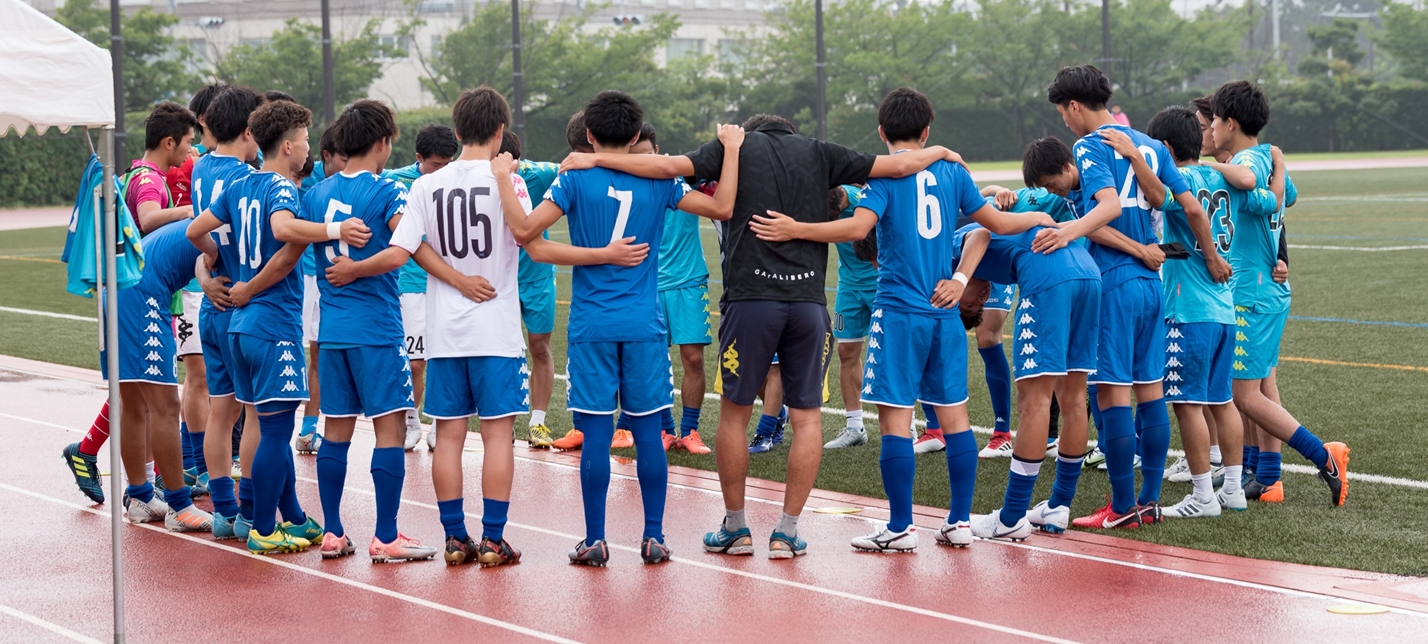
{"x": 759, "y": 120}
{"x": 904, "y": 114}
{"x": 511, "y": 143}
{"x": 204, "y": 97}
{"x": 866, "y": 248}
{"x": 575, "y": 133}
{"x": 326, "y": 143}
{"x": 437, "y": 140}
{"x": 1204, "y": 106}
{"x": 647, "y": 133}
{"x": 613, "y": 118}
{"x": 1043, "y": 158}
{"x": 1177, "y": 126}
{"x": 168, "y": 120}
{"x": 1244, "y": 102}
{"x": 275, "y": 121}
{"x": 227, "y": 116}
{"x": 307, "y": 168}
{"x": 478, "y": 114}
{"x": 836, "y": 200}
{"x": 278, "y": 95}
{"x": 362, "y": 125}
{"x": 1085, "y": 84}
{"x": 971, "y": 319}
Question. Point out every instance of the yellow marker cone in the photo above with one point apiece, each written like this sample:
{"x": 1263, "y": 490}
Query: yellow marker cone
{"x": 1358, "y": 609}
{"x": 837, "y": 510}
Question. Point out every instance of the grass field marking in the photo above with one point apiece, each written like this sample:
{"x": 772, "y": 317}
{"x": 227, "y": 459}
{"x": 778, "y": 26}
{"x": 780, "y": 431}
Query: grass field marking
{"x": 1362, "y": 249}
{"x": 49, "y": 626}
{"x": 62, "y": 316}
{"x": 43, "y": 260}
{"x": 1415, "y": 325}
{"x": 1367, "y": 365}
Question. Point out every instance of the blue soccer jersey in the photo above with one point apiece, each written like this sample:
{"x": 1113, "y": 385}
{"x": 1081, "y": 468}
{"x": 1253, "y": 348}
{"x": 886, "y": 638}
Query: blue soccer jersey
{"x": 367, "y": 311}
{"x": 169, "y": 259}
{"x": 248, "y": 206}
{"x": 854, "y": 274}
{"x": 613, "y": 303}
{"x": 1010, "y": 260}
{"x": 538, "y": 176}
{"x": 211, "y": 174}
{"x": 681, "y": 253}
{"x": 1190, "y": 294}
{"x": 916, "y": 219}
{"x": 1255, "y": 247}
{"x": 1102, "y": 167}
{"x": 1041, "y": 200}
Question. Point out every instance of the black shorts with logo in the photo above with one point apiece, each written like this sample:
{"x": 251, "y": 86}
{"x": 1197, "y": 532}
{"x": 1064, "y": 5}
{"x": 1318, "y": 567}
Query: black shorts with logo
{"x": 752, "y": 332}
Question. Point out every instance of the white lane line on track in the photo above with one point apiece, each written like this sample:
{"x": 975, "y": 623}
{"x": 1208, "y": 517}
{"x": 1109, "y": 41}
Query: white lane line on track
{"x": 62, "y": 316}
{"x": 476, "y": 617}
{"x": 49, "y": 626}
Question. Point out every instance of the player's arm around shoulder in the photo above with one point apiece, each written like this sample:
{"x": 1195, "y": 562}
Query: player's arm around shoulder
{"x": 527, "y": 224}
{"x": 974, "y": 247}
{"x": 896, "y": 166}
{"x": 720, "y": 207}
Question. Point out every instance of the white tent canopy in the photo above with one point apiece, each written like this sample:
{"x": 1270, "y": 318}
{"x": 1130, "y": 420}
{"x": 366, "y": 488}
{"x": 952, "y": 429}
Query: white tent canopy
{"x": 50, "y": 76}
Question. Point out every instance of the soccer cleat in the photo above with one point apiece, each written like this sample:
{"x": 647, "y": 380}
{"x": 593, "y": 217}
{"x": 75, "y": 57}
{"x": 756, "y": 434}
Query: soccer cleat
{"x": 780, "y": 425}
{"x": 85, "y": 469}
{"x": 307, "y": 444}
{"x": 1253, "y": 489}
{"x": 413, "y": 434}
{"x": 1335, "y": 472}
{"x": 928, "y": 443}
{"x": 782, "y": 546}
{"x": 141, "y": 512}
{"x": 1000, "y": 446}
{"x": 460, "y": 551}
{"x": 190, "y": 476}
{"x": 309, "y": 529}
{"x": 1235, "y": 501}
{"x": 596, "y": 554}
{"x": 654, "y": 551}
{"x": 1052, "y": 445}
{"x": 1094, "y": 459}
{"x": 334, "y": 546}
{"x": 235, "y": 471}
{"x": 1150, "y": 513}
{"x": 1106, "y": 518}
{"x": 275, "y": 543}
{"x": 693, "y": 443}
{"x": 241, "y": 527}
{"x": 761, "y": 444}
{"x": 1045, "y": 518}
{"x": 1179, "y": 472}
{"x": 849, "y": 437}
{"x": 1135, "y": 463}
{"x": 957, "y": 535}
{"x": 622, "y": 439}
{"x": 539, "y": 437}
{"x": 1272, "y": 494}
{"x": 403, "y": 548}
{"x": 1192, "y": 508}
{"x": 497, "y": 553}
{"x": 573, "y": 439}
{"x": 223, "y": 527}
{"x": 189, "y": 519}
{"x": 668, "y": 439}
{"x": 738, "y": 542}
{"x": 199, "y": 487}
{"x": 431, "y": 439}
{"x": 885, "y": 540}
{"x": 989, "y": 526}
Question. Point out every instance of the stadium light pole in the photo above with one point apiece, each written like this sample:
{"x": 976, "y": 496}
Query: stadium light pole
{"x": 1106, "y": 37}
{"x": 517, "y": 81}
{"x": 116, "y": 59}
{"x": 820, "y": 67}
{"x": 329, "y": 89}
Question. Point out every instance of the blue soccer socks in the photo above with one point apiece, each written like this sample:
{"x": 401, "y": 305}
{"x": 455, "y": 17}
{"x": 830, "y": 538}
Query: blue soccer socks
{"x": 178, "y": 498}
{"x": 245, "y": 498}
{"x": 1251, "y": 455}
{"x": 1119, "y": 446}
{"x": 389, "y": 469}
{"x": 270, "y": 468}
{"x": 931, "y": 413}
{"x": 689, "y": 423}
{"x": 224, "y": 501}
{"x": 1269, "y": 468}
{"x": 666, "y": 421}
{"x": 1309, "y": 446}
{"x": 288, "y": 505}
{"x": 961, "y": 474}
{"x": 595, "y": 471}
{"x": 493, "y": 519}
{"x": 1068, "y": 473}
{"x": 1155, "y": 443}
{"x": 453, "y": 518}
{"x": 143, "y": 493}
{"x": 767, "y": 424}
{"x": 652, "y": 468}
{"x": 186, "y": 442}
{"x": 331, "y": 478}
{"x": 999, "y": 384}
{"x": 899, "y": 467}
{"x": 1020, "y": 485}
{"x": 309, "y": 426}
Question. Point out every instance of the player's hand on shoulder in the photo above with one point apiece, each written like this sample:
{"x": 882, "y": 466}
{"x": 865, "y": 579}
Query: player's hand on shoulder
{"x": 342, "y": 271}
{"x": 504, "y": 165}
{"x": 1049, "y": 240}
{"x": 947, "y": 294}
{"x": 476, "y": 288}
{"x": 1281, "y": 272}
{"x": 577, "y": 161}
{"x": 625, "y": 252}
{"x": 1004, "y": 199}
{"x": 1152, "y": 256}
{"x": 775, "y": 227}
{"x": 239, "y": 294}
{"x": 732, "y": 136}
{"x": 1118, "y": 141}
{"x": 355, "y": 232}
{"x": 952, "y": 157}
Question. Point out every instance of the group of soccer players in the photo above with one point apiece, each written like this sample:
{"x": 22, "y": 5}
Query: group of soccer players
{"x": 1125, "y": 264}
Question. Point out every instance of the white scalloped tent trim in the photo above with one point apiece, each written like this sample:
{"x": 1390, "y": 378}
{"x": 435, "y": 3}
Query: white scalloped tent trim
{"x": 49, "y": 75}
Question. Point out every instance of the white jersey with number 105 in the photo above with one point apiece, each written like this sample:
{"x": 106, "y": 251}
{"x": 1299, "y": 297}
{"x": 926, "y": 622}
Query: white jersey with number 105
{"x": 457, "y": 210}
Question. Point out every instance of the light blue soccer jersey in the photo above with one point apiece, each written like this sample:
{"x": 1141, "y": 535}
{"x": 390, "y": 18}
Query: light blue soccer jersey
{"x": 614, "y": 303}
{"x": 1190, "y": 294}
{"x": 1010, "y": 260}
{"x": 1255, "y": 247}
{"x": 854, "y": 274}
{"x": 681, "y": 254}
{"x": 1102, "y": 167}
{"x": 1041, "y": 200}
{"x": 367, "y": 311}
{"x": 410, "y": 278}
{"x": 247, "y": 207}
{"x": 538, "y": 176}
{"x": 212, "y": 173}
{"x": 917, "y": 216}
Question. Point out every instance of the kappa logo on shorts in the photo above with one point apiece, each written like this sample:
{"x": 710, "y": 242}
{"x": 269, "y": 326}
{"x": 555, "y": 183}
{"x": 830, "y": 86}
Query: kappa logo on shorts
{"x": 868, "y": 389}
{"x": 408, "y": 382}
{"x": 1026, "y": 334}
{"x": 869, "y": 375}
{"x": 289, "y": 386}
{"x": 1240, "y": 351}
{"x": 1240, "y": 366}
{"x": 873, "y": 343}
{"x": 1028, "y": 350}
{"x": 1029, "y": 364}
{"x": 185, "y": 330}
{"x": 525, "y": 384}
{"x": 153, "y": 342}
{"x": 1239, "y": 321}
{"x": 525, "y": 371}
{"x": 151, "y": 303}
{"x": 152, "y": 328}
{"x": 1241, "y": 337}
{"x": 287, "y": 357}
{"x": 153, "y": 371}
{"x": 877, "y": 327}
{"x": 1173, "y": 391}
{"x": 287, "y": 372}
{"x": 153, "y": 356}
{"x": 285, "y": 343}
{"x": 1173, "y": 362}
{"x": 1174, "y": 334}
{"x": 152, "y": 315}
{"x": 1026, "y": 319}
{"x": 1173, "y": 347}
{"x": 878, "y": 314}
{"x": 1173, "y": 376}
{"x": 872, "y": 359}
{"x": 1025, "y": 302}
{"x": 731, "y": 359}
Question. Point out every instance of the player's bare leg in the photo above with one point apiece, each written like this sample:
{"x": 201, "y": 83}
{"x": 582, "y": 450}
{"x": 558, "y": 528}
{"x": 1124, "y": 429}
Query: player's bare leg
{"x": 223, "y": 413}
{"x": 731, "y": 459}
{"x": 542, "y": 382}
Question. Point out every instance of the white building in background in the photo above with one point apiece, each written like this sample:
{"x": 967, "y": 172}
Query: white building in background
{"x": 211, "y": 27}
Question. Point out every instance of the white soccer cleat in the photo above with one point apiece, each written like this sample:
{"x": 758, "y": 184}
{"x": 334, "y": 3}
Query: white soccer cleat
{"x": 999, "y": 447}
{"x": 885, "y": 540}
{"x": 190, "y": 519}
{"x": 413, "y": 433}
{"x": 1233, "y": 501}
{"x": 1179, "y": 472}
{"x": 1191, "y": 508}
{"x": 1052, "y": 446}
{"x": 927, "y": 444}
{"x": 140, "y": 512}
{"x": 431, "y": 439}
{"x": 849, "y": 437}
{"x": 1048, "y": 519}
{"x": 957, "y": 535}
{"x": 989, "y": 526}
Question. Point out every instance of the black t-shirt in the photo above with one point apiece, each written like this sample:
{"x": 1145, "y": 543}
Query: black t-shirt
{"x": 787, "y": 173}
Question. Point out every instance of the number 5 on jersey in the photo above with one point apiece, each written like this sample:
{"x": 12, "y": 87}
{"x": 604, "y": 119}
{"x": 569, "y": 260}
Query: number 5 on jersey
{"x": 333, "y": 207}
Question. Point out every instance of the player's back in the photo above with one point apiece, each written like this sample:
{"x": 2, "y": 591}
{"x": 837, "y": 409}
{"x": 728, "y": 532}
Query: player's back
{"x": 1255, "y": 247}
{"x": 1191, "y": 295}
{"x": 614, "y": 303}
{"x": 853, "y": 273}
{"x": 1102, "y": 167}
{"x": 681, "y": 252}
{"x": 1042, "y": 200}
{"x": 537, "y": 175}
{"x": 1009, "y": 259}
{"x": 917, "y": 216}
{"x": 367, "y": 311}
{"x": 248, "y": 206}
{"x": 169, "y": 259}
{"x": 212, "y": 173}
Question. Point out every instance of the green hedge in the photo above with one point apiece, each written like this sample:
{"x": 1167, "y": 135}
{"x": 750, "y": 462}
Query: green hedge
{"x": 44, "y": 170}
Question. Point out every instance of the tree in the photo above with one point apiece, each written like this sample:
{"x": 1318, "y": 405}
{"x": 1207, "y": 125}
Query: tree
{"x": 292, "y": 62}
{"x": 155, "y": 67}
{"x": 1155, "y": 50}
{"x": 1337, "y": 40}
{"x": 1405, "y": 36}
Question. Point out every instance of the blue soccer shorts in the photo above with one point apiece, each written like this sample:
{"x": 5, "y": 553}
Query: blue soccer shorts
{"x": 1131, "y": 350}
{"x": 852, "y": 314}
{"x": 635, "y": 377}
{"x": 686, "y": 315}
{"x": 484, "y": 386}
{"x": 213, "y": 333}
{"x": 915, "y": 358}
{"x": 370, "y": 381}
{"x": 1000, "y": 297}
{"x": 146, "y": 340}
{"x": 1198, "y": 358}
{"x": 1056, "y": 330}
{"x": 266, "y": 370}
{"x": 538, "y": 305}
{"x": 1257, "y": 336}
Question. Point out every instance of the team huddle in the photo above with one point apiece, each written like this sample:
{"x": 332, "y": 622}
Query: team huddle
{"x": 1136, "y": 277}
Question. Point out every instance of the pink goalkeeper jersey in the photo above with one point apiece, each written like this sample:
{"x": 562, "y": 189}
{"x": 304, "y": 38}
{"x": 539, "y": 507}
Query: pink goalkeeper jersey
{"x": 145, "y": 185}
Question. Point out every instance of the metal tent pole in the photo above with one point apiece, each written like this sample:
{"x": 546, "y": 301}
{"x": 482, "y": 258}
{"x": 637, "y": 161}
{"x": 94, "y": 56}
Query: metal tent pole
{"x": 820, "y": 66}
{"x": 518, "y": 90}
{"x": 111, "y": 344}
{"x": 329, "y": 87}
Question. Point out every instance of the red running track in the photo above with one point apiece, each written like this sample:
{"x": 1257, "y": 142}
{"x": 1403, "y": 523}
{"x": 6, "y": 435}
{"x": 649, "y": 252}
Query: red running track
{"x": 1050, "y": 589}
